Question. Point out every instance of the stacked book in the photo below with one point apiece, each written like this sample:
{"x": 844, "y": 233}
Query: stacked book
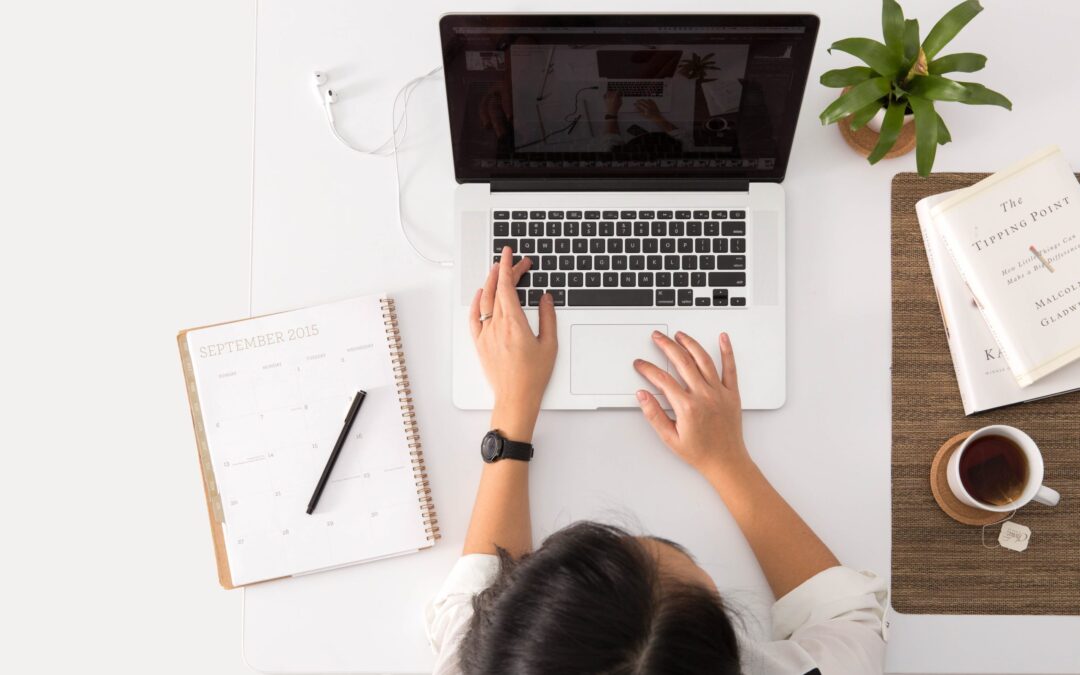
{"x": 1005, "y": 258}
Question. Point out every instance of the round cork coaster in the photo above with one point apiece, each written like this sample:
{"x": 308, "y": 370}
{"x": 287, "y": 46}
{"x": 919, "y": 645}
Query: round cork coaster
{"x": 943, "y": 495}
{"x": 864, "y": 140}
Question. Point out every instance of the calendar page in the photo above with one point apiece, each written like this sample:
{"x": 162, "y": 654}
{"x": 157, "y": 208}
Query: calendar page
{"x": 273, "y": 393}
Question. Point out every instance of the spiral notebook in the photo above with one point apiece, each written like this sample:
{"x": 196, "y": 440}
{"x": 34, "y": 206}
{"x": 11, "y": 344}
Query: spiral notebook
{"x": 268, "y": 399}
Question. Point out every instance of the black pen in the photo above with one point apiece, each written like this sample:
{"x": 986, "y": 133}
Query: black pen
{"x": 349, "y": 419}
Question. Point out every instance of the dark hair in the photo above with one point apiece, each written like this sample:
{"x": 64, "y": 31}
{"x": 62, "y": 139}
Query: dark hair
{"x": 592, "y": 600}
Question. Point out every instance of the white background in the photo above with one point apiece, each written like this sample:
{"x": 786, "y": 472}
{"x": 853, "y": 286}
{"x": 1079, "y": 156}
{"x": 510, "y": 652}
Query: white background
{"x": 125, "y": 201}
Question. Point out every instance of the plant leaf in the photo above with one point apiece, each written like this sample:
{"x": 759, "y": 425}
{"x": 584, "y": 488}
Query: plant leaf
{"x": 937, "y": 88}
{"x": 890, "y": 131}
{"x": 942, "y": 131}
{"x": 926, "y": 134}
{"x": 892, "y": 26}
{"x": 911, "y": 42}
{"x": 860, "y": 117}
{"x": 873, "y": 53}
{"x": 844, "y": 77}
{"x": 977, "y": 94}
{"x": 949, "y": 25}
{"x": 860, "y": 96}
{"x": 961, "y": 62}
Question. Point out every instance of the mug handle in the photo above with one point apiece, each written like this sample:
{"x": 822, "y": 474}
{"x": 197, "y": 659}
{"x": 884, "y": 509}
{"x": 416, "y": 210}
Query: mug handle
{"x": 1047, "y": 496}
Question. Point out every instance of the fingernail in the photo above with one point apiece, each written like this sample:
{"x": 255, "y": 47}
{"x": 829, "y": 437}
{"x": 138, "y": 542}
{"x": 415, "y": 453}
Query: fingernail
{"x": 656, "y": 334}
{"x": 641, "y": 395}
{"x": 638, "y": 362}
{"x": 725, "y": 339}
{"x": 679, "y": 335}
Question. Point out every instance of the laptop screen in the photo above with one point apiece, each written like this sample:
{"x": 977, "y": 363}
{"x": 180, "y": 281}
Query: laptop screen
{"x": 663, "y": 97}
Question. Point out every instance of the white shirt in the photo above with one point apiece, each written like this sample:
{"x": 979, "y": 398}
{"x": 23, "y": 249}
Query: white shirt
{"x": 832, "y": 622}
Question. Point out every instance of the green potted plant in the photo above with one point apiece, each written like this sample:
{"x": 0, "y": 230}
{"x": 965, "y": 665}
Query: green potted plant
{"x": 698, "y": 67}
{"x": 902, "y": 80}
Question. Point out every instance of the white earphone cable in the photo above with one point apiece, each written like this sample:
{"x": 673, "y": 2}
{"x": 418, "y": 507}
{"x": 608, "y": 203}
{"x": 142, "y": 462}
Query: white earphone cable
{"x": 389, "y": 147}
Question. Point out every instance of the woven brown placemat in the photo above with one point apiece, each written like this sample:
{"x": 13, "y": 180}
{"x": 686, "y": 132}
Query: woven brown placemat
{"x": 939, "y": 566}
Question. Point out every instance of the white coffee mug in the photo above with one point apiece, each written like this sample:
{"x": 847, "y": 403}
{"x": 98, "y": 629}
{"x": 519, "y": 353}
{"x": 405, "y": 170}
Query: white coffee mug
{"x": 1033, "y": 489}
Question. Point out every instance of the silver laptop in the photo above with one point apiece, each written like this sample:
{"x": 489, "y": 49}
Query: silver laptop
{"x": 637, "y": 159}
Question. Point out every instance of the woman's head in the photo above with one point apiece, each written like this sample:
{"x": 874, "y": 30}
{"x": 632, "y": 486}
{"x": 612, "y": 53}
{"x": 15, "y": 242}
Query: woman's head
{"x": 594, "y": 599}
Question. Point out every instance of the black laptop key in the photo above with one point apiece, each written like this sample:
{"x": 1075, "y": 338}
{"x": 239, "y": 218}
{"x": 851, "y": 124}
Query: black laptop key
{"x": 558, "y": 296}
{"x": 588, "y": 228}
{"x": 663, "y": 279}
{"x": 537, "y": 215}
{"x": 498, "y": 245}
{"x": 580, "y": 245}
{"x": 545, "y": 246}
{"x": 524, "y": 281}
{"x": 562, "y": 245}
{"x": 706, "y": 262}
{"x": 555, "y": 215}
{"x": 534, "y": 261}
{"x": 521, "y": 296}
{"x": 698, "y": 279}
{"x": 549, "y": 262}
{"x": 628, "y": 215}
{"x": 575, "y": 279}
{"x": 665, "y": 297}
{"x": 610, "y": 297}
{"x": 719, "y": 246}
{"x": 719, "y": 215}
{"x": 727, "y": 279}
{"x": 592, "y": 215}
{"x": 738, "y": 246}
{"x": 502, "y": 228}
{"x": 650, "y": 246}
{"x": 571, "y": 228}
{"x": 701, "y": 214}
{"x": 664, "y": 215}
{"x": 519, "y": 215}
{"x": 645, "y": 279}
{"x": 615, "y": 246}
{"x": 618, "y": 262}
{"x": 689, "y": 262}
{"x": 557, "y": 279}
{"x": 686, "y": 297}
{"x": 566, "y": 262}
{"x": 584, "y": 262}
{"x": 502, "y": 215}
{"x": 627, "y": 279}
{"x": 712, "y": 228}
{"x": 702, "y": 302}
{"x": 671, "y": 262}
{"x": 573, "y": 215}
{"x": 592, "y": 279}
{"x": 536, "y": 228}
{"x": 683, "y": 215}
{"x": 607, "y": 228}
{"x": 641, "y": 228}
{"x": 637, "y": 262}
{"x": 667, "y": 245}
{"x": 518, "y": 228}
{"x": 734, "y": 228}
{"x": 730, "y": 262}
{"x": 612, "y": 215}
{"x": 596, "y": 245}
{"x": 539, "y": 279}
{"x": 633, "y": 246}
{"x": 534, "y": 297}
{"x": 686, "y": 245}
{"x": 738, "y": 215}
{"x": 693, "y": 228}
{"x": 602, "y": 262}
{"x": 676, "y": 228}
{"x": 654, "y": 262}
{"x": 738, "y": 301}
{"x": 702, "y": 246}
{"x": 611, "y": 279}
{"x": 682, "y": 279}
{"x": 623, "y": 228}
{"x": 659, "y": 229}
{"x": 554, "y": 228}
{"x": 647, "y": 215}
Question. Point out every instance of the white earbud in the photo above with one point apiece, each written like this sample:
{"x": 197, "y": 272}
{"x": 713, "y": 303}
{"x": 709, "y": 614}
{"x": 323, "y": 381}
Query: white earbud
{"x": 321, "y": 80}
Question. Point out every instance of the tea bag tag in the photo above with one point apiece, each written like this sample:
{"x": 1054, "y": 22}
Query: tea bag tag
{"x": 1014, "y": 536}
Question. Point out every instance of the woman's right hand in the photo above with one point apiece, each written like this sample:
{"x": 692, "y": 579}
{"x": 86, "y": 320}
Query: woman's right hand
{"x": 707, "y": 429}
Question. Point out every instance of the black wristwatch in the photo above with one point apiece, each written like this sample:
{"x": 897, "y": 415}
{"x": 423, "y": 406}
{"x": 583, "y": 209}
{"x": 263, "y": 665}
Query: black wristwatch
{"x": 494, "y": 447}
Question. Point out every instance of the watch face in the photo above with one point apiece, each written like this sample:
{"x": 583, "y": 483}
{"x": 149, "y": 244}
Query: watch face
{"x": 489, "y": 447}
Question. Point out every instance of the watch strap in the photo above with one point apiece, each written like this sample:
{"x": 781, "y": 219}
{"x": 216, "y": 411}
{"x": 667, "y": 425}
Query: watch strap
{"x": 516, "y": 450}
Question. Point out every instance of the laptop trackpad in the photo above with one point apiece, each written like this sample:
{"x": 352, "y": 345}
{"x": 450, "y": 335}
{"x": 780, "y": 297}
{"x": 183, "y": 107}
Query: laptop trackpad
{"x": 602, "y": 357}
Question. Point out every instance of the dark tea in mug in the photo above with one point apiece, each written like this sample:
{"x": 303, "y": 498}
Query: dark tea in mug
{"x": 994, "y": 470}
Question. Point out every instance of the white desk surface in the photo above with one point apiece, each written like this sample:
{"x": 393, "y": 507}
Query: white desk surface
{"x": 325, "y": 227}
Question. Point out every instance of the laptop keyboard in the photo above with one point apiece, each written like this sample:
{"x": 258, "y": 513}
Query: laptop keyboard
{"x": 628, "y": 258}
{"x": 637, "y": 88}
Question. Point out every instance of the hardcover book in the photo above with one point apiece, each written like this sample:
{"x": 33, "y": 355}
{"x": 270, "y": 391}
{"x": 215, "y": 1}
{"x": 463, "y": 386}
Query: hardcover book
{"x": 982, "y": 375}
{"x": 1015, "y": 239}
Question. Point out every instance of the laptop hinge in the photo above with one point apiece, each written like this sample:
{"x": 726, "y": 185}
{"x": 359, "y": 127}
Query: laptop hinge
{"x": 620, "y": 185}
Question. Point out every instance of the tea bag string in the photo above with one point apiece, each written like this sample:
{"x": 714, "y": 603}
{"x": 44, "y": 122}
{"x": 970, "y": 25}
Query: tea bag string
{"x": 996, "y": 522}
